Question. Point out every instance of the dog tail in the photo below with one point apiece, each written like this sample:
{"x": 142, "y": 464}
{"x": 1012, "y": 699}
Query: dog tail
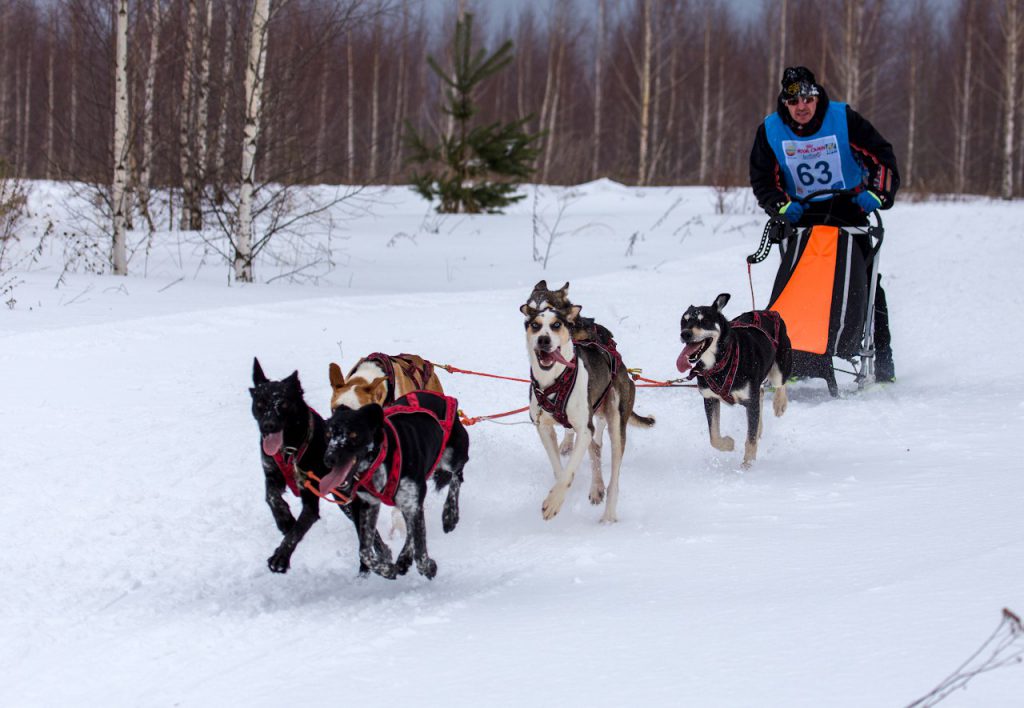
{"x": 641, "y": 421}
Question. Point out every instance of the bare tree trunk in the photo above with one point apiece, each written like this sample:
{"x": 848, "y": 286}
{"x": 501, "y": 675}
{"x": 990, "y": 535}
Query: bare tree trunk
{"x": 148, "y": 117}
{"x": 908, "y": 168}
{"x": 226, "y": 76}
{"x": 199, "y": 168}
{"x": 399, "y": 117}
{"x": 185, "y": 161}
{"x": 5, "y": 60}
{"x": 119, "y": 257}
{"x": 321, "y": 135}
{"x": 554, "y": 83}
{"x": 595, "y": 151}
{"x": 254, "y": 74}
{"x": 350, "y": 149}
{"x": 645, "y": 92}
{"x": 26, "y": 118}
{"x": 1011, "y": 32}
{"x": 51, "y": 50}
{"x": 705, "y": 95}
{"x": 375, "y": 108}
{"x": 719, "y": 119}
{"x": 780, "y": 64}
{"x": 962, "y": 123}
{"x": 73, "y": 98}
{"x": 853, "y": 41}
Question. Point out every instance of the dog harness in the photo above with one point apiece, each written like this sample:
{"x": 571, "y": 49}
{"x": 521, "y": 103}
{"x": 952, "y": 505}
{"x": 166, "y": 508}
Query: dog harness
{"x": 419, "y": 375}
{"x": 553, "y": 399}
{"x": 441, "y": 409}
{"x": 289, "y": 463}
{"x": 721, "y": 377}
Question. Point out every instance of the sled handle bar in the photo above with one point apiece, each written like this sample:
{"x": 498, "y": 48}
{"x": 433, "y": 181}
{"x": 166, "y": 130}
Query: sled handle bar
{"x": 778, "y": 229}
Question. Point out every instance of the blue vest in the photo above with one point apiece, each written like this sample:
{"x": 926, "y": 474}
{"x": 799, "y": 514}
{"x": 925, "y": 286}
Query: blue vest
{"x": 815, "y": 162}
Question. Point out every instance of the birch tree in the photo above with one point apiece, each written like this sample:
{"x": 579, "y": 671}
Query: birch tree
{"x": 647, "y": 41}
{"x": 185, "y": 161}
{"x": 199, "y": 169}
{"x": 1012, "y": 38}
{"x": 227, "y": 64}
{"x": 599, "y": 52}
{"x": 254, "y": 74}
{"x": 148, "y": 113}
{"x": 705, "y": 96}
{"x": 119, "y": 257}
{"x": 962, "y": 119}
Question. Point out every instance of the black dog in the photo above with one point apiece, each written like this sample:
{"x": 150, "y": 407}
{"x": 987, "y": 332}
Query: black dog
{"x": 387, "y": 455}
{"x": 293, "y": 441}
{"x": 731, "y": 360}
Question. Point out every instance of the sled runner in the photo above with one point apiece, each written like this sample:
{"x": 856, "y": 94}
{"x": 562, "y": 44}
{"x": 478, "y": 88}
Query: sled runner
{"x": 825, "y": 291}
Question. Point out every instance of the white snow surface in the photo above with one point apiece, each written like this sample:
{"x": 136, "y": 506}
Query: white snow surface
{"x": 865, "y": 555}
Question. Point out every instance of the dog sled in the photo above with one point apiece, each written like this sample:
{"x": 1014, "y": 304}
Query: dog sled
{"x": 825, "y": 291}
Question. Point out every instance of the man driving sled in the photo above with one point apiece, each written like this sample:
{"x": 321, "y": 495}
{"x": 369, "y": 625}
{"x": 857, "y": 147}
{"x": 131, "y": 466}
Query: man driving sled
{"x": 864, "y": 160}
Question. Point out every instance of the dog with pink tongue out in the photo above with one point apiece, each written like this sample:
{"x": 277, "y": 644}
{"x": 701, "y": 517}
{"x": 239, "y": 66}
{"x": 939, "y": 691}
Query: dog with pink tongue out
{"x": 293, "y": 439}
{"x": 731, "y": 360}
{"x": 578, "y": 382}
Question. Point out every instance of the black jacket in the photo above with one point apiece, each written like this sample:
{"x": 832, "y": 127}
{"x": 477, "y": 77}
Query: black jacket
{"x": 868, "y": 146}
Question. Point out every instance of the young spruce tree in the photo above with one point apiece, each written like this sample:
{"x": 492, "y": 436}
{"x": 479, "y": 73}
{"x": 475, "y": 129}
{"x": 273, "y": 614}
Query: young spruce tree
{"x": 475, "y": 168}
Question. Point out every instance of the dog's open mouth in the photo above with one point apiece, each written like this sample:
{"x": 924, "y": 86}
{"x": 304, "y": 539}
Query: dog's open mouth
{"x": 272, "y": 442}
{"x": 548, "y": 359}
{"x": 337, "y": 476}
{"x": 691, "y": 353}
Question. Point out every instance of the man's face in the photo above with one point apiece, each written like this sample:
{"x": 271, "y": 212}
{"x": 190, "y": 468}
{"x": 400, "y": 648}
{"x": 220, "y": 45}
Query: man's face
{"x": 801, "y": 108}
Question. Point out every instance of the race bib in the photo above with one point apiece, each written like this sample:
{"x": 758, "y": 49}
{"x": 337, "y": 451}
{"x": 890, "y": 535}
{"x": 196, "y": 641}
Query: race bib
{"x": 814, "y": 164}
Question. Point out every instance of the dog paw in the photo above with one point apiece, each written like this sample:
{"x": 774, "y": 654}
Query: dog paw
{"x": 403, "y": 563}
{"x": 279, "y": 562}
{"x": 609, "y": 518}
{"x": 386, "y": 570}
{"x": 450, "y": 519}
{"x": 596, "y": 495}
{"x": 553, "y": 504}
{"x": 779, "y": 402}
{"x": 427, "y": 568}
{"x": 726, "y": 444}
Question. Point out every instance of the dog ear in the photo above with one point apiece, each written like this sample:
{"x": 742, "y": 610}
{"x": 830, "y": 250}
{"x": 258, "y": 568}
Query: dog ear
{"x": 335, "y": 375}
{"x": 527, "y": 310}
{"x": 293, "y": 380}
{"x": 258, "y": 376}
{"x": 572, "y": 314}
{"x": 378, "y": 390}
{"x": 563, "y": 292}
{"x": 541, "y": 285}
{"x": 373, "y": 414}
{"x": 721, "y": 301}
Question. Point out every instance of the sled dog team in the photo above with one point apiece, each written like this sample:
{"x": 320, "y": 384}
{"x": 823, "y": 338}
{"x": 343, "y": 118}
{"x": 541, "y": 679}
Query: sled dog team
{"x": 392, "y": 430}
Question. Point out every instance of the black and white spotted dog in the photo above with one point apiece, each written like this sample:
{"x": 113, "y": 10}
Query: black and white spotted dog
{"x": 731, "y": 360}
{"x": 387, "y": 455}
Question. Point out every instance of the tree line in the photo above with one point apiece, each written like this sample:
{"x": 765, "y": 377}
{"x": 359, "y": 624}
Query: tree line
{"x": 645, "y": 92}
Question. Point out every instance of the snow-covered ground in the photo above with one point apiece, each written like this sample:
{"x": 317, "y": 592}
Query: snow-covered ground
{"x": 868, "y": 552}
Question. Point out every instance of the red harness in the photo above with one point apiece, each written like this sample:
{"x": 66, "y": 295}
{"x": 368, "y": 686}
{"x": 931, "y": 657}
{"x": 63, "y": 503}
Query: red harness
{"x": 289, "y": 464}
{"x": 555, "y": 398}
{"x": 418, "y": 375}
{"x": 721, "y": 377}
{"x": 409, "y": 403}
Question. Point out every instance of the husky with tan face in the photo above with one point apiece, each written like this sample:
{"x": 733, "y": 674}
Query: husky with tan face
{"x": 381, "y": 378}
{"x": 578, "y": 381}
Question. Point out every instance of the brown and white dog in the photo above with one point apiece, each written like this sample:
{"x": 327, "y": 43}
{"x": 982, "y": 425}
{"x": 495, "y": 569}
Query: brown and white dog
{"x": 578, "y": 381}
{"x": 381, "y": 378}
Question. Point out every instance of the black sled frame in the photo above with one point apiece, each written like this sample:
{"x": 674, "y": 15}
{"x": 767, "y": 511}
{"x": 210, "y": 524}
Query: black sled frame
{"x": 858, "y": 347}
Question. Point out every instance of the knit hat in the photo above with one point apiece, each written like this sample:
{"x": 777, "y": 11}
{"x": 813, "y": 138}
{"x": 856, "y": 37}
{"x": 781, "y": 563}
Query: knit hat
{"x": 798, "y": 81}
